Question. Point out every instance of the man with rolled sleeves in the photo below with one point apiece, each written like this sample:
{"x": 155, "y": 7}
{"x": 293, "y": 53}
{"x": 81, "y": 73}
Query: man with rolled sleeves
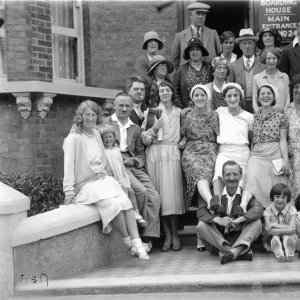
{"x": 208, "y": 36}
{"x": 243, "y": 70}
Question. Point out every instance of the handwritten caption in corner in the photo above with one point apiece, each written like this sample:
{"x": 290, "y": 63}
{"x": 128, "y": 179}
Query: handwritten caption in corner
{"x": 34, "y": 279}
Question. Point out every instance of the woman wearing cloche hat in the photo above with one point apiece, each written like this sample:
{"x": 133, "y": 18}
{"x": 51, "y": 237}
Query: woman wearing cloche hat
{"x": 195, "y": 71}
{"x": 152, "y": 44}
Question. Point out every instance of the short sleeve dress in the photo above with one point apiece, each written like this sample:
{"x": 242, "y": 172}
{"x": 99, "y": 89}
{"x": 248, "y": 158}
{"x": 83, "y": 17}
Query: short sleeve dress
{"x": 199, "y": 156}
{"x": 260, "y": 176}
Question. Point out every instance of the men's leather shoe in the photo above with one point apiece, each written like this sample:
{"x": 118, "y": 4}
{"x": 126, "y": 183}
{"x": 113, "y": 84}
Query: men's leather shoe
{"x": 238, "y": 211}
{"x": 226, "y": 257}
{"x": 246, "y": 256}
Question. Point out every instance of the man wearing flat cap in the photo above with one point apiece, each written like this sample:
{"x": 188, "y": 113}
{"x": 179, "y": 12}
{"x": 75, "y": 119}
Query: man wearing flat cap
{"x": 209, "y": 37}
{"x": 243, "y": 70}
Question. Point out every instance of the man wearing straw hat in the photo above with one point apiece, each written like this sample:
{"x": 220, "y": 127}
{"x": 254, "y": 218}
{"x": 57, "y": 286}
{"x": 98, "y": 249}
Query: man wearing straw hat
{"x": 243, "y": 70}
{"x": 209, "y": 37}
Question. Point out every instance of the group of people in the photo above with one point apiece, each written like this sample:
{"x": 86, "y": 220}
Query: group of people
{"x": 221, "y": 133}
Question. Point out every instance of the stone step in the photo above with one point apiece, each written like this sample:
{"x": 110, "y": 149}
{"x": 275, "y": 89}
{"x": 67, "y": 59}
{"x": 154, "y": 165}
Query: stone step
{"x": 184, "y": 271}
{"x": 188, "y": 235}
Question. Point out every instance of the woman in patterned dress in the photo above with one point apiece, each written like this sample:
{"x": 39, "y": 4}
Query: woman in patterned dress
{"x": 292, "y": 114}
{"x": 164, "y": 165}
{"x": 269, "y": 144}
{"x": 195, "y": 71}
{"x": 199, "y": 130}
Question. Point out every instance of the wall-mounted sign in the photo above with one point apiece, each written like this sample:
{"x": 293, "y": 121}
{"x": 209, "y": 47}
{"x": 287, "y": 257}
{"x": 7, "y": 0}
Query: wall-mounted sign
{"x": 280, "y": 14}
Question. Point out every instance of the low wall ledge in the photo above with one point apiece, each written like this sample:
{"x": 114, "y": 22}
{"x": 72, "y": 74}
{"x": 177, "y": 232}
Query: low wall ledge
{"x": 54, "y": 222}
{"x": 12, "y": 201}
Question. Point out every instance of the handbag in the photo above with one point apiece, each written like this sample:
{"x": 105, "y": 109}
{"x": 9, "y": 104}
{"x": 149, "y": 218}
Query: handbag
{"x": 277, "y": 165}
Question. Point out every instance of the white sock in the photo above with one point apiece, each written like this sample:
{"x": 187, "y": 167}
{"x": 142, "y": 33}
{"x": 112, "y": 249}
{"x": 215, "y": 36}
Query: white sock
{"x": 137, "y": 243}
{"x": 127, "y": 241}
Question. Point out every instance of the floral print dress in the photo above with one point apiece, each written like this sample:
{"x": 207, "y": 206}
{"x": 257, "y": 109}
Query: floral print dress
{"x": 199, "y": 155}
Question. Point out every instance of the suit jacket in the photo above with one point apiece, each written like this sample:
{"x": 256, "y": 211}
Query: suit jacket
{"x": 290, "y": 60}
{"x": 136, "y": 147}
{"x": 253, "y": 213}
{"x": 142, "y": 65}
{"x": 210, "y": 40}
{"x": 135, "y": 118}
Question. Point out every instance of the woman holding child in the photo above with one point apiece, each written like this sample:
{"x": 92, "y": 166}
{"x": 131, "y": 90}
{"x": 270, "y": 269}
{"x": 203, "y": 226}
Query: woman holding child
{"x": 86, "y": 181}
{"x": 163, "y": 163}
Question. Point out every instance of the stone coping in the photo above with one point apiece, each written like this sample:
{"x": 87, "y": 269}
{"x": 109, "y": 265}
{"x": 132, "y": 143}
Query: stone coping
{"x": 12, "y": 201}
{"x": 63, "y": 219}
{"x": 57, "y": 88}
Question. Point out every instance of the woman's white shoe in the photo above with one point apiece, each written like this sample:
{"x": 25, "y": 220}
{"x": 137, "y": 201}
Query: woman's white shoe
{"x": 140, "y": 252}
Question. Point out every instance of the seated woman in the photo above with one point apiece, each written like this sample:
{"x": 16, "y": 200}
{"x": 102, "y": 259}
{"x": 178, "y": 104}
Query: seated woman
{"x": 199, "y": 130}
{"x": 292, "y": 114}
{"x": 235, "y": 130}
{"x": 227, "y": 40}
{"x": 164, "y": 166}
{"x": 269, "y": 150}
{"x": 158, "y": 73}
{"x": 271, "y": 75}
{"x": 195, "y": 71}
{"x": 220, "y": 72}
{"x": 280, "y": 224}
{"x": 86, "y": 181}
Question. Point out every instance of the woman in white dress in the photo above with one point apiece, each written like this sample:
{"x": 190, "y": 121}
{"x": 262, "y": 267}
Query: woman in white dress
{"x": 164, "y": 165}
{"x": 86, "y": 181}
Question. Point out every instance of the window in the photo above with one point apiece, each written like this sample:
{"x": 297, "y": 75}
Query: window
{"x": 67, "y": 34}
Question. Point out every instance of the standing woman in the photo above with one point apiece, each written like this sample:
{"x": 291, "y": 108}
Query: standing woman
{"x": 199, "y": 129}
{"x": 292, "y": 113}
{"x": 164, "y": 166}
{"x": 268, "y": 38}
{"x": 220, "y": 72}
{"x": 195, "y": 71}
{"x": 271, "y": 75}
{"x": 152, "y": 44}
{"x": 269, "y": 144}
{"x": 158, "y": 73}
{"x": 86, "y": 181}
{"x": 227, "y": 40}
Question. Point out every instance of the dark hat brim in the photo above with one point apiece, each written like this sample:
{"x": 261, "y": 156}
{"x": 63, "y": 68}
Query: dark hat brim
{"x": 170, "y": 67}
{"x": 186, "y": 53}
{"x": 160, "y": 44}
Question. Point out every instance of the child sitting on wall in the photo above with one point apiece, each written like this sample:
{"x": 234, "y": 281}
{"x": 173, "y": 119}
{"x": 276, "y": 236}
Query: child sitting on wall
{"x": 280, "y": 224}
{"x": 116, "y": 168}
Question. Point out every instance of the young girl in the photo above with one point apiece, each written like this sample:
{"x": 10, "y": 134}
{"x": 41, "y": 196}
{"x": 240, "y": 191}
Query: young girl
{"x": 116, "y": 169}
{"x": 280, "y": 223}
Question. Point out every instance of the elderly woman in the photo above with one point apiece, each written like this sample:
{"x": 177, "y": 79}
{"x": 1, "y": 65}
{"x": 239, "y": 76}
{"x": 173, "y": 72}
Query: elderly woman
{"x": 271, "y": 75}
{"x": 194, "y": 72}
{"x": 164, "y": 165}
{"x": 267, "y": 38}
{"x": 292, "y": 114}
{"x": 152, "y": 44}
{"x": 159, "y": 69}
{"x": 235, "y": 130}
{"x": 220, "y": 72}
{"x": 86, "y": 181}
{"x": 268, "y": 163}
{"x": 199, "y": 130}
{"x": 227, "y": 40}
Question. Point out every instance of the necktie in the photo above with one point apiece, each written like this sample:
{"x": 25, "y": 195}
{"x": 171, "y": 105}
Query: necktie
{"x": 248, "y": 64}
{"x": 198, "y": 33}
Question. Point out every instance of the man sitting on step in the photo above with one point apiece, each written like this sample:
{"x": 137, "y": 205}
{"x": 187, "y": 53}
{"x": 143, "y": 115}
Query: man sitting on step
{"x": 232, "y": 233}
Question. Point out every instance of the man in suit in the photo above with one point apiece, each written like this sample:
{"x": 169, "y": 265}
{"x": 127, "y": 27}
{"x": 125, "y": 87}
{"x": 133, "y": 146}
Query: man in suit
{"x": 230, "y": 234}
{"x": 290, "y": 57}
{"x": 133, "y": 153}
{"x": 243, "y": 70}
{"x": 209, "y": 37}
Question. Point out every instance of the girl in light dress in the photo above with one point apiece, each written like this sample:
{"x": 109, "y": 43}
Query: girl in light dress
{"x": 116, "y": 168}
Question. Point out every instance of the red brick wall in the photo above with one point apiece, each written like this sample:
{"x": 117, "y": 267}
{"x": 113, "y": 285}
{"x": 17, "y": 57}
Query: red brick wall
{"x": 116, "y": 31}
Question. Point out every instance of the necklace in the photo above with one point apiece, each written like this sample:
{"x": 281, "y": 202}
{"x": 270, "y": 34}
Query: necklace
{"x": 235, "y": 112}
{"x": 89, "y": 135}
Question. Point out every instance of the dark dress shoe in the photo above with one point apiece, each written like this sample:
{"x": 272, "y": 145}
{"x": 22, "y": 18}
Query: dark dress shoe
{"x": 226, "y": 257}
{"x": 201, "y": 249}
{"x": 246, "y": 256}
{"x": 220, "y": 210}
{"x": 238, "y": 211}
{"x": 214, "y": 202}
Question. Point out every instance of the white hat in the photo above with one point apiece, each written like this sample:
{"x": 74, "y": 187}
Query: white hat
{"x": 234, "y": 85}
{"x": 203, "y": 87}
{"x": 246, "y": 34}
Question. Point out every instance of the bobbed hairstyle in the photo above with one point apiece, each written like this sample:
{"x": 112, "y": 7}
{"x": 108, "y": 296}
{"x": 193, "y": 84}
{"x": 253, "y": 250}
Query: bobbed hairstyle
{"x": 171, "y": 86}
{"x": 271, "y": 89}
{"x": 226, "y": 35}
{"x": 106, "y": 128}
{"x": 231, "y": 87}
{"x": 273, "y": 51}
{"x": 231, "y": 163}
{"x": 280, "y": 189}
{"x": 295, "y": 80}
{"x": 78, "y": 119}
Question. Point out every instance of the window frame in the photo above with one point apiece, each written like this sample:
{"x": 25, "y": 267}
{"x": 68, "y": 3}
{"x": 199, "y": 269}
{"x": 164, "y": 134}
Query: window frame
{"x": 76, "y": 32}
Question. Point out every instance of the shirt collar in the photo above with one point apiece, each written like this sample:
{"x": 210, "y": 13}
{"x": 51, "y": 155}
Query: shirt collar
{"x": 129, "y": 122}
{"x": 295, "y": 41}
{"x": 238, "y": 192}
{"x": 251, "y": 59}
{"x": 137, "y": 105}
{"x": 276, "y": 212}
{"x": 195, "y": 28}
{"x": 278, "y": 74}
